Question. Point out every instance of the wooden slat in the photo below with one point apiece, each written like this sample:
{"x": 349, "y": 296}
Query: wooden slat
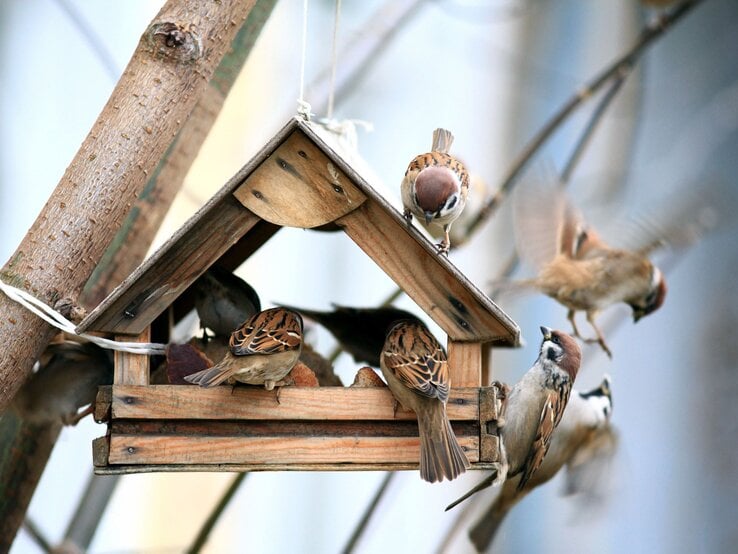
{"x": 127, "y": 469}
{"x": 132, "y": 369}
{"x": 298, "y": 186}
{"x": 162, "y": 278}
{"x": 133, "y": 449}
{"x": 486, "y": 366}
{"x": 465, "y": 363}
{"x": 295, "y": 403}
{"x": 489, "y": 413}
{"x": 445, "y": 298}
{"x": 103, "y": 401}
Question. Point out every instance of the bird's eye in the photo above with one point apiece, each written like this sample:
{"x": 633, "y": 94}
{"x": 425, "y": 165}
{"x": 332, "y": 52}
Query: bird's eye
{"x": 555, "y": 339}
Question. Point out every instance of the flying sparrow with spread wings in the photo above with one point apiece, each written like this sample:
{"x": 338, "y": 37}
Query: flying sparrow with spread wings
{"x": 532, "y": 410}
{"x": 224, "y": 301}
{"x": 576, "y": 267}
{"x": 435, "y": 187}
{"x": 360, "y": 331}
{"x": 584, "y": 436}
{"x": 414, "y": 365}
{"x": 261, "y": 352}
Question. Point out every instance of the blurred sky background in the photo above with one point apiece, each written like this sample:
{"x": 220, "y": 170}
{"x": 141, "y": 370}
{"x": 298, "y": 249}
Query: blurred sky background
{"x": 492, "y": 72}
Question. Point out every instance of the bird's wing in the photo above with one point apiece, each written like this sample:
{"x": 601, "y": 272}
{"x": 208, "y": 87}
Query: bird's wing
{"x": 423, "y": 369}
{"x": 550, "y": 417}
{"x": 547, "y": 224}
{"x": 265, "y": 333}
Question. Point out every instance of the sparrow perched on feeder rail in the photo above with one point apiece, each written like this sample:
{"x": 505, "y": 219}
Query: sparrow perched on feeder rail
{"x": 435, "y": 187}
{"x": 224, "y": 301}
{"x": 414, "y": 365}
{"x": 261, "y": 352}
{"x": 576, "y": 267}
{"x": 360, "y": 331}
{"x": 533, "y": 409}
{"x": 584, "y": 438}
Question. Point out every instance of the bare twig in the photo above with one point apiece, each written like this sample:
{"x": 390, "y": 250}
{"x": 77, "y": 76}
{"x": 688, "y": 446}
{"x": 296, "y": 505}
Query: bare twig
{"x": 90, "y": 510}
{"x": 620, "y": 66}
{"x": 207, "y": 527}
{"x": 364, "y": 521}
{"x": 37, "y": 535}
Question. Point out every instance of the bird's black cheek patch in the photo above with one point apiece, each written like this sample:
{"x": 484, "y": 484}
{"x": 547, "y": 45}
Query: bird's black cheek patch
{"x": 452, "y": 203}
{"x": 551, "y": 354}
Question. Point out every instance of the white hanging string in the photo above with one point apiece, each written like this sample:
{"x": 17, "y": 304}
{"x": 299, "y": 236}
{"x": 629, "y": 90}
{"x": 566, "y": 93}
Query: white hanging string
{"x": 54, "y": 318}
{"x": 303, "y": 107}
{"x": 334, "y": 60}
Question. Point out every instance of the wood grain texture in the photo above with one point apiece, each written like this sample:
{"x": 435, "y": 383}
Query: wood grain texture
{"x": 169, "y": 70}
{"x": 446, "y": 299}
{"x": 132, "y": 369}
{"x": 295, "y": 403}
{"x": 132, "y": 449}
{"x": 465, "y": 363}
{"x": 131, "y": 244}
{"x": 299, "y": 186}
{"x": 176, "y": 265}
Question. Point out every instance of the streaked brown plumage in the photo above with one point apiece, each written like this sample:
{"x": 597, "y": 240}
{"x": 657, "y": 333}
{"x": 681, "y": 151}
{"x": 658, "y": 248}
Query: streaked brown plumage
{"x": 576, "y": 267}
{"x": 262, "y": 351}
{"x": 414, "y": 365}
{"x": 360, "y": 331}
{"x": 533, "y": 409}
{"x": 435, "y": 187}
{"x": 583, "y": 438}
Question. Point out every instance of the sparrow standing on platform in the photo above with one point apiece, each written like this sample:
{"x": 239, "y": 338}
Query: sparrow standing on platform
{"x": 532, "y": 410}
{"x": 262, "y": 351}
{"x": 435, "y": 187}
{"x": 415, "y": 368}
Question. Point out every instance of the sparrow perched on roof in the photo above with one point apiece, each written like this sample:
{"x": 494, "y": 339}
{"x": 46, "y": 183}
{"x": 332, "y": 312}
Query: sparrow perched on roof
{"x": 224, "y": 301}
{"x": 435, "y": 187}
{"x": 584, "y": 436}
{"x": 576, "y": 267}
{"x": 414, "y": 365}
{"x": 67, "y": 380}
{"x": 532, "y": 410}
{"x": 360, "y": 331}
{"x": 261, "y": 352}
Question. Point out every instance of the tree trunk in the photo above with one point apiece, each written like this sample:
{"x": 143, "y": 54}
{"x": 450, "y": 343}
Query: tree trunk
{"x": 175, "y": 59}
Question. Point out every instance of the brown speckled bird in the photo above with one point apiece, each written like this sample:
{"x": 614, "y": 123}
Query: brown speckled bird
{"x": 533, "y": 409}
{"x": 576, "y": 267}
{"x": 262, "y": 351}
{"x": 415, "y": 368}
{"x": 435, "y": 187}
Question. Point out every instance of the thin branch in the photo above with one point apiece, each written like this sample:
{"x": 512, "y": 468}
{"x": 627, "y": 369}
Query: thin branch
{"x": 622, "y": 65}
{"x": 90, "y": 510}
{"x": 364, "y": 521}
{"x": 37, "y": 535}
{"x": 204, "y": 533}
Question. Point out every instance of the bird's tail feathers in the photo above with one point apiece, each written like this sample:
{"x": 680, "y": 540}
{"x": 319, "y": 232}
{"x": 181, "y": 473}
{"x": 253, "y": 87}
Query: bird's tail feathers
{"x": 442, "y": 140}
{"x": 441, "y": 456}
{"x": 210, "y": 377}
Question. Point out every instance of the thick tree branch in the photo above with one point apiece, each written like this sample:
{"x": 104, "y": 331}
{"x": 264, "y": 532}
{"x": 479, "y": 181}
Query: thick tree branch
{"x": 168, "y": 73}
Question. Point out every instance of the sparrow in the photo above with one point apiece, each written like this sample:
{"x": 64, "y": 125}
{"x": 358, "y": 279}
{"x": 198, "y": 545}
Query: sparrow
{"x": 576, "y": 267}
{"x": 359, "y": 331}
{"x": 224, "y": 301}
{"x": 261, "y": 352}
{"x": 414, "y": 365}
{"x": 532, "y": 410}
{"x": 67, "y": 379}
{"x": 435, "y": 187}
{"x": 584, "y": 436}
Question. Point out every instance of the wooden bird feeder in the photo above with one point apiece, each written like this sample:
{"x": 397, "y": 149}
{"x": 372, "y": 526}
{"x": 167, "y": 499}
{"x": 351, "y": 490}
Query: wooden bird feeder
{"x": 297, "y": 180}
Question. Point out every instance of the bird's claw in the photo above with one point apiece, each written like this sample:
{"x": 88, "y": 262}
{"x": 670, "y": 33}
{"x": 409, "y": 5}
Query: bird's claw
{"x": 443, "y": 248}
{"x": 407, "y": 214}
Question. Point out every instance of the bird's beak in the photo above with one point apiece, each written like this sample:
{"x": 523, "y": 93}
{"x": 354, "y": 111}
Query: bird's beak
{"x": 546, "y": 332}
{"x": 636, "y": 316}
{"x": 428, "y": 217}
